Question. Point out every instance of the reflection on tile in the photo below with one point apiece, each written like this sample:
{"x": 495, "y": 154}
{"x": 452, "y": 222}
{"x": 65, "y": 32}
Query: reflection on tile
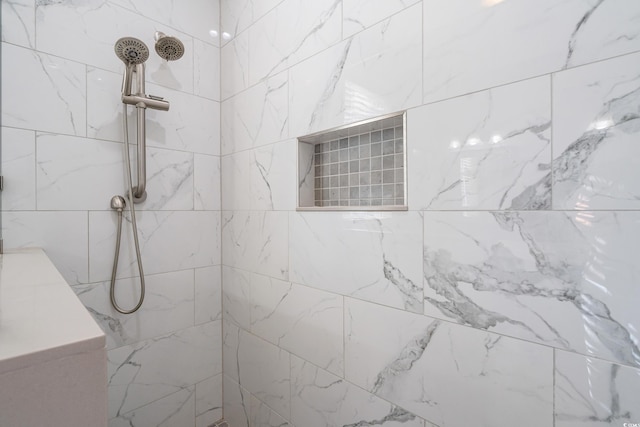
{"x": 256, "y": 241}
{"x": 373, "y": 256}
{"x": 167, "y": 306}
{"x": 361, "y": 14}
{"x": 320, "y": 399}
{"x": 18, "y": 22}
{"x": 60, "y": 82}
{"x": 208, "y": 294}
{"x": 209, "y": 401}
{"x": 149, "y": 370}
{"x": 429, "y": 367}
{"x": 487, "y": 150}
{"x": 469, "y": 47}
{"x": 559, "y": 278}
{"x": 596, "y": 129}
{"x": 349, "y": 82}
{"x": 18, "y": 169}
{"x": 595, "y": 393}
{"x": 173, "y": 410}
{"x": 255, "y": 117}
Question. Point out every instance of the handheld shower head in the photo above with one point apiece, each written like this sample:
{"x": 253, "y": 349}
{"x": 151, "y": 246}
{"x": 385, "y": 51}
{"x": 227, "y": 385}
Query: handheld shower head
{"x": 131, "y": 50}
{"x": 168, "y": 47}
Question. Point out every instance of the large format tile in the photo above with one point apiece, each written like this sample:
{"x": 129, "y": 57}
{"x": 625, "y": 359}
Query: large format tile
{"x": 351, "y": 81}
{"x": 238, "y": 15}
{"x": 320, "y": 399}
{"x": 206, "y": 70}
{"x": 450, "y": 375}
{"x": 559, "y": 278}
{"x": 361, "y": 14}
{"x": 256, "y": 241}
{"x": 18, "y": 169}
{"x": 55, "y": 101}
{"x": 149, "y": 370}
{"x": 19, "y": 22}
{"x": 595, "y": 134}
{"x": 263, "y": 416}
{"x": 173, "y": 410}
{"x": 594, "y": 393}
{"x": 469, "y": 47}
{"x": 206, "y": 182}
{"x": 234, "y": 74}
{"x": 368, "y": 255}
{"x": 487, "y": 150}
{"x": 236, "y": 297}
{"x": 209, "y": 401}
{"x": 236, "y": 402}
{"x": 208, "y": 294}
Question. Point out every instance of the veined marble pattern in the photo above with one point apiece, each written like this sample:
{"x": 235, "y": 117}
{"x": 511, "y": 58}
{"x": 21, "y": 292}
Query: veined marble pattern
{"x": 256, "y": 241}
{"x": 238, "y": 15}
{"x": 369, "y": 255}
{"x": 209, "y": 401}
{"x": 361, "y": 14}
{"x": 468, "y": 47}
{"x": 18, "y": 22}
{"x": 595, "y": 393}
{"x": 291, "y": 32}
{"x": 260, "y": 367}
{"x": 60, "y": 82}
{"x": 168, "y": 306}
{"x": 263, "y": 416}
{"x": 487, "y": 150}
{"x": 169, "y": 241}
{"x": 208, "y": 294}
{"x": 236, "y": 296}
{"x": 596, "y": 129}
{"x": 18, "y": 168}
{"x": 234, "y": 76}
{"x": 255, "y": 117}
{"x": 448, "y": 374}
{"x": 206, "y": 70}
{"x": 565, "y": 279}
{"x": 237, "y": 401}
{"x": 141, "y": 373}
{"x": 305, "y": 321}
{"x": 320, "y": 399}
{"x": 173, "y": 410}
{"x": 350, "y": 81}
{"x": 206, "y": 182}
{"x": 63, "y": 235}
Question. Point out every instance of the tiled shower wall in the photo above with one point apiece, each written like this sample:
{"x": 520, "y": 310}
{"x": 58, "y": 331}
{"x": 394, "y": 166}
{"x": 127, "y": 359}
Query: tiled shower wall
{"x": 62, "y": 162}
{"x": 508, "y": 293}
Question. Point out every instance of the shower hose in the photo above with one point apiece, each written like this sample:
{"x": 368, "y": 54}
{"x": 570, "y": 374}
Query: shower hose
{"x": 112, "y": 290}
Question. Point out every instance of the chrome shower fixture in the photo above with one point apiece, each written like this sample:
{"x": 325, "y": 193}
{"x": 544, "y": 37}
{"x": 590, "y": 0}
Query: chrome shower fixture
{"x": 168, "y": 47}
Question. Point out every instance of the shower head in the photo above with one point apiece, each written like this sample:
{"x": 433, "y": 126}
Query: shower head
{"x": 168, "y": 47}
{"x": 131, "y": 50}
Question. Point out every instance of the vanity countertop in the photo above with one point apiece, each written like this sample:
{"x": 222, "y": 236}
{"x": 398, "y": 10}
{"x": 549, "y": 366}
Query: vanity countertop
{"x": 41, "y": 318}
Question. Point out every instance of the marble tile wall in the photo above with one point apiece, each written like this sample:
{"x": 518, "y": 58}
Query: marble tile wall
{"x": 62, "y": 161}
{"x": 507, "y": 294}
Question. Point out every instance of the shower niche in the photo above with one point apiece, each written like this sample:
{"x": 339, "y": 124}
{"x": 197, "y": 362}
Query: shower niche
{"x": 357, "y": 167}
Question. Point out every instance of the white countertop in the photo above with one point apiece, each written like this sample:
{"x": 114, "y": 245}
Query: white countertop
{"x": 41, "y": 318}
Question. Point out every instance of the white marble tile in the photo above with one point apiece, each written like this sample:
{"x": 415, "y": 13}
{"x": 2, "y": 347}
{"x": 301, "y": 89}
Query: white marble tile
{"x": 206, "y": 182}
{"x": 238, "y": 15}
{"x": 198, "y": 18}
{"x": 235, "y": 174}
{"x": 374, "y": 256}
{"x": 170, "y": 180}
{"x": 236, "y": 403}
{"x": 262, "y": 416}
{"x": 306, "y": 185}
{"x": 563, "y": 279}
{"x": 302, "y": 320}
{"x": 290, "y": 33}
{"x": 149, "y": 370}
{"x": 236, "y": 298}
{"x": 256, "y": 116}
{"x": 173, "y": 410}
{"x": 234, "y": 60}
{"x": 256, "y": 241}
{"x": 273, "y": 177}
{"x": 361, "y": 14}
{"x": 167, "y": 306}
{"x": 55, "y": 101}
{"x": 595, "y": 393}
{"x": 319, "y": 398}
{"x": 104, "y": 108}
{"x": 18, "y": 169}
{"x": 88, "y": 32}
{"x": 351, "y": 81}
{"x": 231, "y": 351}
{"x": 169, "y": 241}
{"x": 208, "y": 294}
{"x": 19, "y": 22}
{"x": 431, "y": 368}
{"x": 469, "y": 47}
{"x": 206, "y": 70}
{"x": 209, "y": 401}
{"x": 487, "y": 150}
{"x": 63, "y": 236}
{"x": 596, "y": 127}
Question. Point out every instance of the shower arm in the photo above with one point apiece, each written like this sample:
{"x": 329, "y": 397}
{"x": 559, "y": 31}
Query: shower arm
{"x": 141, "y": 101}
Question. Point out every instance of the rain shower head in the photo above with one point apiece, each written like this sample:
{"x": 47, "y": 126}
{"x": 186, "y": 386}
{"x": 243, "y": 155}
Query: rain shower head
{"x": 131, "y": 50}
{"x": 168, "y": 47}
